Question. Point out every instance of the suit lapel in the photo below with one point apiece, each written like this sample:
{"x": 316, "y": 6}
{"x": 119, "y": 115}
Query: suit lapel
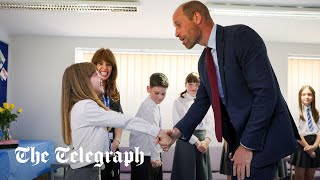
{"x": 220, "y": 54}
{"x": 202, "y": 63}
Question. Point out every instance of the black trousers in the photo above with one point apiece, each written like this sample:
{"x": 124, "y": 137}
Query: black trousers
{"x": 145, "y": 171}
{"x": 111, "y": 171}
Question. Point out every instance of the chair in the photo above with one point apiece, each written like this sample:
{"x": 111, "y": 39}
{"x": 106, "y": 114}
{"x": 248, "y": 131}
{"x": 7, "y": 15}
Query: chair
{"x": 287, "y": 159}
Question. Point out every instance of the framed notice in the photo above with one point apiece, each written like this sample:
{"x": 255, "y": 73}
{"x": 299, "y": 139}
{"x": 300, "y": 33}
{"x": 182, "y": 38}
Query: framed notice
{"x": 3, "y": 71}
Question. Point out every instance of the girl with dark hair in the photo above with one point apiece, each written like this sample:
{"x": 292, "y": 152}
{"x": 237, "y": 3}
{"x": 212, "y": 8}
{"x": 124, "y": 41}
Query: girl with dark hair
{"x": 191, "y": 160}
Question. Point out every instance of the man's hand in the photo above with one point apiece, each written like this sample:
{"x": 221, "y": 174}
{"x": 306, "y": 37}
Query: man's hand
{"x": 203, "y": 145}
{"x": 164, "y": 140}
{"x": 174, "y": 134}
{"x": 242, "y": 162}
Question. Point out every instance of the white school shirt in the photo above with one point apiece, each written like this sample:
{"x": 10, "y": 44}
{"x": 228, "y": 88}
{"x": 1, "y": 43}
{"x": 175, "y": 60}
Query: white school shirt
{"x": 303, "y": 127}
{"x": 88, "y": 128}
{"x": 181, "y": 107}
{"x": 150, "y": 112}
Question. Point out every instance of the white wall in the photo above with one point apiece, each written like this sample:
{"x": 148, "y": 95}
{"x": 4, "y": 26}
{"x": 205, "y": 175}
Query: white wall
{"x": 37, "y": 64}
{"x": 4, "y": 37}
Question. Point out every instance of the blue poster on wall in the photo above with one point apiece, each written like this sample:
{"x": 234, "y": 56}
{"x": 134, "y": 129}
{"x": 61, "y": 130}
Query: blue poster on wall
{"x": 3, "y": 72}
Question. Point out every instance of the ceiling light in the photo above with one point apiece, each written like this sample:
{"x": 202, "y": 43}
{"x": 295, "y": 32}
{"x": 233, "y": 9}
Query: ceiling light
{"x": 82, "y": 6}
{"x": 263, "y": 11}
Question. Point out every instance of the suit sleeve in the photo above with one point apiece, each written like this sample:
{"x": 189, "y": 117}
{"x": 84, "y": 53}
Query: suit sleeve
{"x": 258, "y": 74}
{"x": 195, "y": 114}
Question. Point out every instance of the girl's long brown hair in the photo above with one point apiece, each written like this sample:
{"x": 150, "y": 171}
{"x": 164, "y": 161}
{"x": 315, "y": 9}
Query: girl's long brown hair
{"x": 76, "y": 86}
{"x": 315, "y": 113}
{"x": 110, "y": 85}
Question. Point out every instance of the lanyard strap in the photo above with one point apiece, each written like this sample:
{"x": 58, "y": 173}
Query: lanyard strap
{"x": 106, "y": 100}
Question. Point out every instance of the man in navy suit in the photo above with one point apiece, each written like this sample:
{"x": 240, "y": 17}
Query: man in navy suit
{"x": 255, "y": 120}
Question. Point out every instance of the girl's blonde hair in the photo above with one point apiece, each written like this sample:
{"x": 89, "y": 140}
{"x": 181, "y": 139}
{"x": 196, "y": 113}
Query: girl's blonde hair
{"x": 315, "y": 113}
{"x": 76, "y": 86}
{"x": 110, "y": 85}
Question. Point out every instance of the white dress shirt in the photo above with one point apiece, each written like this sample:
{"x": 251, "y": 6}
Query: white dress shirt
{"x": 88, "y": 128}
{"x": 303, "y": 127}
{"x": 181, "y": 107}
{"x": 150, "y": 112}
{"x": 212, "y": 43}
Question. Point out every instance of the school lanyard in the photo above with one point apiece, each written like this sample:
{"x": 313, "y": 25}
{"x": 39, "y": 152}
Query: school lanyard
{"x": 106, "y": 101}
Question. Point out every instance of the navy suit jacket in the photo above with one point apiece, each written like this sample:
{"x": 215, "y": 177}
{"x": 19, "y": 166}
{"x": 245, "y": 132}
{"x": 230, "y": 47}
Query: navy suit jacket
{"x": 255, "y": 113}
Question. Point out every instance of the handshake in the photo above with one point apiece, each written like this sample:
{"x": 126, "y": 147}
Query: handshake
{"x": 167, "y": 137}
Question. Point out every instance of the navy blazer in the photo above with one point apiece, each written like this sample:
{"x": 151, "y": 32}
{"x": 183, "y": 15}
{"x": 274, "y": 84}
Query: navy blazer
{"x": 255, "y": 113}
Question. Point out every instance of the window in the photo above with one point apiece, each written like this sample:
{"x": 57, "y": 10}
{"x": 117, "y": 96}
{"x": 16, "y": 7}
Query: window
{"x": 134, "y": 70}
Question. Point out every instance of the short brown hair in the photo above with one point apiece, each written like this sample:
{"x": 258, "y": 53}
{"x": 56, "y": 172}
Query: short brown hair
{"x": 159, "y": 80}
{"x": 189, "y": 8}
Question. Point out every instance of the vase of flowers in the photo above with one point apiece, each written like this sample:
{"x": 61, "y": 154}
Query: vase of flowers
{"x": 5, "y": 133}
{"x": 6, "y": 117}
